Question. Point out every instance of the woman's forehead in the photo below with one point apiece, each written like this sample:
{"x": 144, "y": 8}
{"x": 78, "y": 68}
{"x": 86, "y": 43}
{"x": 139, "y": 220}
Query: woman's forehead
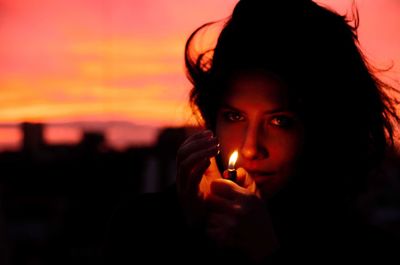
{"x": 257, "y": 88}
{"x": 256, "y": 92}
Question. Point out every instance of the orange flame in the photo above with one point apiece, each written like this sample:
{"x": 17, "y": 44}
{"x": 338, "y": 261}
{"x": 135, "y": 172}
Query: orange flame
{"x": 232, "y": 160}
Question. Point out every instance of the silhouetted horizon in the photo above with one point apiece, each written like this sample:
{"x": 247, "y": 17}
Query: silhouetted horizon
{"x": 119, "y": 134}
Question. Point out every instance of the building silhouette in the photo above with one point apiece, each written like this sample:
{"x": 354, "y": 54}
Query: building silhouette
{"x": 56, "y": 200}
{"x": 33, "y": 137}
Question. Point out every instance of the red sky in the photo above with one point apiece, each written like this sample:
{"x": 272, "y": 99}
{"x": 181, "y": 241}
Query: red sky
{"x": 102, "y": 60}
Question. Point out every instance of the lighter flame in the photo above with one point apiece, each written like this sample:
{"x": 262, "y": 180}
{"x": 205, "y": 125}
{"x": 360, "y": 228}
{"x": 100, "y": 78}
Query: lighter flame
{"x": 232, "y": 160}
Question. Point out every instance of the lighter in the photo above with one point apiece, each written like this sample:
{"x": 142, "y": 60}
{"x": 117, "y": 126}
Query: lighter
{"x": 231, "y": 166}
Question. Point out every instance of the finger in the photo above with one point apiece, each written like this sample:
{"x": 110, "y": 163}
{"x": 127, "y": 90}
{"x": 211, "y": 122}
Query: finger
{"x": 206, "y": 134}
{"x": 226, "y": 189}
{"x": 192, "y": 169}
{"x": 187, "y": 165}
{"x": 198, "y": 135}
{"x": 184, "y": 174}
{"x": 218, "y": 220}
{"x": 243, "y": 178}
{"x": 216, "y": 204}
{"x": 212, "y": 171}
{"x": 195, "y": 145}
{"x": 197, "y": 174}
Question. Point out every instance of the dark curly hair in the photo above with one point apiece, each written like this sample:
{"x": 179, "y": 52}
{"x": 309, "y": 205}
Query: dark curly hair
{"x": 347, "y": 116}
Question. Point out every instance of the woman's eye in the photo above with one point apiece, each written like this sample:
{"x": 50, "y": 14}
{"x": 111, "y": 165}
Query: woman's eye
{"x": 282, "y": 121}
{"x": 233, "y": 116}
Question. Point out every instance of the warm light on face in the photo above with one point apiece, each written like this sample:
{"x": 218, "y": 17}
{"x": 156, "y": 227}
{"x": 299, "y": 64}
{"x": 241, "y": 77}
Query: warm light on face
{"x": 232, "y": 160}
{"x": 250, "y": 119}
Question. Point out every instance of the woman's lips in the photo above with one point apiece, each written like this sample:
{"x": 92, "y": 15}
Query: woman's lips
{"x": 261, "y": 174}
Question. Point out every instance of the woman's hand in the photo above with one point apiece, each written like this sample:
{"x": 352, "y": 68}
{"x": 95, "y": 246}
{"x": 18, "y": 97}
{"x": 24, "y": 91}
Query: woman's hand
{"x": 238, "y": 218}
{"x": 193, "y": 162}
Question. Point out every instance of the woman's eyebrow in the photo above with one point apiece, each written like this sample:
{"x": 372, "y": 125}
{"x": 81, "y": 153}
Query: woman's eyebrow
{"x": 227, "y": 106}
{"x": 271, "y": 111}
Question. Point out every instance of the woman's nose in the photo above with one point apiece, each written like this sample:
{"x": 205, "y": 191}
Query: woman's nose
{"x": 252, "y": 145}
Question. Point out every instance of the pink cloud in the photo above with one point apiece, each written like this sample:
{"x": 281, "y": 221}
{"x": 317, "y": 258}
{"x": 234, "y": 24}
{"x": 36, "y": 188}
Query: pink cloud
{"x": 119, "y": 53}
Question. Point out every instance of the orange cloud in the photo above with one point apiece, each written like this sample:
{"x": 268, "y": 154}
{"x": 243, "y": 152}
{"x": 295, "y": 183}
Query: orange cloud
{"x": 68, "y": 60}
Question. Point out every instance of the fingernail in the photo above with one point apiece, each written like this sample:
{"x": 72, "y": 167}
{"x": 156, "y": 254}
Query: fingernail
{"x": 212, "y": 139}
{"x": 208, "y": 133}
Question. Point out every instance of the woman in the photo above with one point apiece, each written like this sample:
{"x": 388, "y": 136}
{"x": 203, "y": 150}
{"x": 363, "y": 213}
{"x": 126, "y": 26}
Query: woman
{"x": 288, "y": 88}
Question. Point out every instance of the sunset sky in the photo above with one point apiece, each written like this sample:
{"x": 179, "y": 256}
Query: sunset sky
{"x": 63, "y": 61}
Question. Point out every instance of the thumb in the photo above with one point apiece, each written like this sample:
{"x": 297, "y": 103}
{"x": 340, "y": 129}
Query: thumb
{"x": 244, "y": 180}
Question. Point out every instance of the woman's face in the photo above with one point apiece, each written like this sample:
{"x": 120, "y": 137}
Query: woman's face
{"x": 256, "y": 120}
